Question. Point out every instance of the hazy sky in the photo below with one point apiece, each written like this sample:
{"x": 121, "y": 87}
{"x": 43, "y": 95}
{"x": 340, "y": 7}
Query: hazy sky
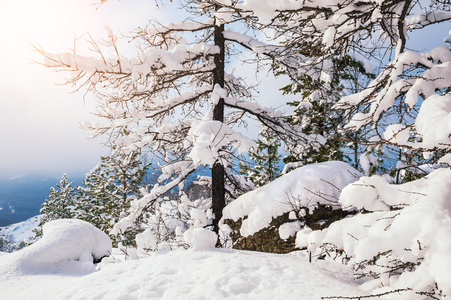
{"x": 39, "y": 120}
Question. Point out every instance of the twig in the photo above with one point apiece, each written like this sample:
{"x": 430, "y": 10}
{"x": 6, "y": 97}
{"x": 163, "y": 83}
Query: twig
{"x": 368, "y": 296}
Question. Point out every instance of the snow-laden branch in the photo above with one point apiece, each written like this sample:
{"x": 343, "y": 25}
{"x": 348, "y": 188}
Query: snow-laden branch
{"x": 427, "y": 18}
{"x": 338, "y": 26}
{"x": 401, "y": 241}
{"x": 294, "y": 64}
{"x": 275, "y": 120}
{"x": 208, "y": 137}
{"x": 432, "y": 76}
{"x": 150, "y": 62}
{"x": 139, "y": 206}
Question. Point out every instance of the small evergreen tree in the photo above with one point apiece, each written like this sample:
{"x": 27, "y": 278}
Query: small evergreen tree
{"x": 108, "y": 190}
{"x": 93, "y": 201}
{"x": 59, "y": 205}
{"x": 315, "y": 113}
{"x": 5, "y": 243}
{"x": 265, "y": 159}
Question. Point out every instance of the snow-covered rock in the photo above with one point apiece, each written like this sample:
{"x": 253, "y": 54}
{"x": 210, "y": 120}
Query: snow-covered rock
{"x": 67, "y": 245}
{"x": 304, "y": 187}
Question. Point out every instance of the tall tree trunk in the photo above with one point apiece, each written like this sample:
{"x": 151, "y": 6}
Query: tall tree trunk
{"x": 218, "y": 182}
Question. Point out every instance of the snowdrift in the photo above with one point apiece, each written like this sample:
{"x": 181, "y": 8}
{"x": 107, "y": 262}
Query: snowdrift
{"x": 67, "y": 245}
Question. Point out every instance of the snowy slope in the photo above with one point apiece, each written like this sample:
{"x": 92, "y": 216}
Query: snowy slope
{"x": 20, "y": 232}
{"x": 181, "y": 274}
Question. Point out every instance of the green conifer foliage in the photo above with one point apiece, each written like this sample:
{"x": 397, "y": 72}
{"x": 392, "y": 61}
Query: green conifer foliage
{"x": 108, "y": 190}
{"x": 60, "y": 204}
{"x": 102, "y": 199}
{"x": 315, "y": 112}
{"x": 264, "y": 160}
{"x": 93, "y": 203}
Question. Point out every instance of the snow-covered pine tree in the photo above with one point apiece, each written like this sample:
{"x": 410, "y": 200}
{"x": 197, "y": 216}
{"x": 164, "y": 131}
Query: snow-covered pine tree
{"x": 176, "y": 97}
{"x": 265, "y": 160}
{"x": 95, "y": 202}
{"x": 107, "y": 191}
{"x": 60, "y": 204}
{"x": 315, "y": 112}
{"x": 127, "y": 176}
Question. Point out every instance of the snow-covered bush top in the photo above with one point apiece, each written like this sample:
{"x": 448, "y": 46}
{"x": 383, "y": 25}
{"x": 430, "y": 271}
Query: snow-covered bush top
{"x": 304, "y": 187}
{"x": 67, "y": 244}
{"x": 404, "y": 238}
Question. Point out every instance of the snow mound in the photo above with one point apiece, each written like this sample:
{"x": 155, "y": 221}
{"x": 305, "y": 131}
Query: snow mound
{"x": 304, "y": 187}
{"x": 200, "y": 238}
{"x": 67, "y": 245}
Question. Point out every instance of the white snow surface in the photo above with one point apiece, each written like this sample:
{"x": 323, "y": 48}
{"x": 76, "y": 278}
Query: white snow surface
{"x": 200, "y": 238}
{"x": 304, "y": 187}
{"x": 67, "y": 245}
{"x": 181, "y": 274}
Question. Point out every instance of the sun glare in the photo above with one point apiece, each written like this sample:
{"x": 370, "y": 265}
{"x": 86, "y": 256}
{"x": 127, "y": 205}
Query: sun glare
{"x": 46, "y": 22}
{"x": 53, "y": 24}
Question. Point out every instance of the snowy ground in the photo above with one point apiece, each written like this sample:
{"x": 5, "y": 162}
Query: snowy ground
{"x": 56, "y": 267}
{"x": 209, "y": 274}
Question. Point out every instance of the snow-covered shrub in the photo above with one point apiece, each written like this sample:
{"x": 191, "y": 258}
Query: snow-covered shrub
{"x": 146, "y": 241}
{"x": 168, "y": 218}
{"x": 401, "y": 238}
{"x": 200, "y": 238}
{"x": 5, "y": 243}
{"x": 67, "y": 244}
{"x": 293, "y": 198}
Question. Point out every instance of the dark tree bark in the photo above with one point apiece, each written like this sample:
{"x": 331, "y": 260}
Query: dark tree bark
{"x": 218, "y": 182}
